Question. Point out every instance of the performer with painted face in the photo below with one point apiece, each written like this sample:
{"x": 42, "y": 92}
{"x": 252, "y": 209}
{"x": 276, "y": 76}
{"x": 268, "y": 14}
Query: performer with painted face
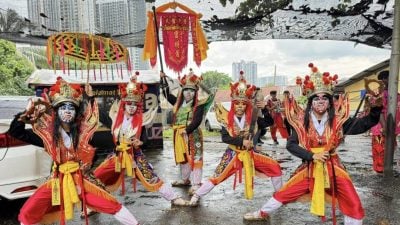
{"x": 240, "y": 125}
{"x": 318, "y": 131}
{"x": 378, "y": 131}
{"x": 188, "y": 139}
{"x": 126, "y": 119}
{"x": 60, "y": 125}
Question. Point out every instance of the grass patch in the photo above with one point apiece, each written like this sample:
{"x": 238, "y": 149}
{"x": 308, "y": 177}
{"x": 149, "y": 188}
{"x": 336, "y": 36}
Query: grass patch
{"x": 167, "y": 133}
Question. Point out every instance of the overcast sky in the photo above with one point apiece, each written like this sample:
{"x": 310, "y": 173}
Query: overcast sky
{"x": 291, "y": 57}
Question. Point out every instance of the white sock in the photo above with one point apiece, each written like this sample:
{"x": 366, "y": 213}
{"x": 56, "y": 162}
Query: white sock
{"x": 167, "y": 192}
{"x": 276, "y": 182}
{"x": 206, "y": 187}
{"x": 196, "y": 176}
{"x": 351, "y": 221}
{"x": 185, "y": 171}
{"x": 125, "y": 217}
{"x": 271, "y": 205}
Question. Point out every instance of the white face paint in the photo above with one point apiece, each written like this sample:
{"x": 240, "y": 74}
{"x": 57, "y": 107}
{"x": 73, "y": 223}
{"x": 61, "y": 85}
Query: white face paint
{"x": 320, "y": 103}
{"x": 240, "y": 108}
{"x": 66, "y": 112}
{"x": 130, "y": 107}
{"x": 188, "y": 94}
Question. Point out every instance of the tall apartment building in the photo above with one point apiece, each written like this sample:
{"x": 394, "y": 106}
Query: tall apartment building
{"x": 62, "y": 15}
{"x": 112, "y": 16}
{"x": 87, "y": 16}
{"x": 51, "y": 18}
{"x": 136, "y": 15}
{"x": 137, "y": 23}
{"x": 249, "y": 69}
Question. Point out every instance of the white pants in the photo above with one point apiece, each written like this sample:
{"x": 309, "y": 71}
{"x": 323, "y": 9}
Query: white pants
{"x": 272, "y": 205}
{"x": 123, "y": 216}
{"x": 167, "y": 192}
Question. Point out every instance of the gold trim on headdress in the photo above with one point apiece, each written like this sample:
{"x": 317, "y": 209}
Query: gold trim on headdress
{"x": 190, "y": 80}
{"x": 62, "y": 91}
{"x": 317, "y": 82}
{"x": 133, "y": 91}
{"x": 241, "y": 91}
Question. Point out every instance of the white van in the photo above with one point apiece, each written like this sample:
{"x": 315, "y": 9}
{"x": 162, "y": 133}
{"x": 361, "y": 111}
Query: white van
{"x": 23, "y": 167}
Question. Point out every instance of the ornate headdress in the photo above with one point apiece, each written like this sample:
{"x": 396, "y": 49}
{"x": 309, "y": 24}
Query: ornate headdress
{"x": 241, "y": 91}
{"x": 62, "y": 91}
{"x": 133, "y": 91}
{"x": 317, "y": 82}
{"x": 190, "y": 80}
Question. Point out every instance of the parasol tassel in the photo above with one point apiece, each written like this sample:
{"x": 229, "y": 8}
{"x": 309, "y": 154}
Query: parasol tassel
{"x": 112, "y": 72}
{"x": 85, "y": 48}
{"x": 76, "y": 73}
{"x": 68, "y": 66}
{"x": 81, "y": 71}
{"x": 122, "y": 75}
{"x": 94, "y": 72}
{"x": 116, "y": 53}
{"x": 106, "y": 72}
{"x": 62, "y": 47}
{"x": 101, "y": 74}
{"x": 129, "y": 64}
{"x": 101, "y": 51}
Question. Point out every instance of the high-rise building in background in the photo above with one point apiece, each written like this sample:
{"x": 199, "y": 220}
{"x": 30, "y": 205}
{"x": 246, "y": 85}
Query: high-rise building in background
{"x": 51, "y": 16}
{"x": 249, "y": 69}
{"x": 137, "y": 23}
{"x": 112, "y": 16}
{"x": 137, "y": 15}
{"x": 45, "y": 15}
{"x": 78, "y": 16}
{"x": 115, "y": 17}
{"x": 87, "y": 14}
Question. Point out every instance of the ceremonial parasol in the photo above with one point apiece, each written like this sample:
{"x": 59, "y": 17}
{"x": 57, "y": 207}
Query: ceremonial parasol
{"x": 81, "y": 51}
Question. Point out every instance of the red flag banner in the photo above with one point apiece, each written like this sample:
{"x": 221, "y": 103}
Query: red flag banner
{"x": 175, "y": 33}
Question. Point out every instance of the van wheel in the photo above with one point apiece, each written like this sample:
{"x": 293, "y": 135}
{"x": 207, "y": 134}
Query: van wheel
{"x": 208, "y": 127}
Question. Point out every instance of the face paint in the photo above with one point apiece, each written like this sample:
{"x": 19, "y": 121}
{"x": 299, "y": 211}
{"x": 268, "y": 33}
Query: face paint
{"x": 66, "y": 112}
{"x": 188, "y": 94}
{"x": 240, "y": 108}
{"x": 320, "y": 103}
{"x": 130, "y": 107}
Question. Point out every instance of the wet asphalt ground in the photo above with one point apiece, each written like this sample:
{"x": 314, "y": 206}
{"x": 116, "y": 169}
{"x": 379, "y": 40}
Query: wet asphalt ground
{"x": 225, "y": 206}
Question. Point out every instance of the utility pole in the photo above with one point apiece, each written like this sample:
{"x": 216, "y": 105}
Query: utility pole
{"x": 392, "y": 92}
{"x": 274, "y": 75}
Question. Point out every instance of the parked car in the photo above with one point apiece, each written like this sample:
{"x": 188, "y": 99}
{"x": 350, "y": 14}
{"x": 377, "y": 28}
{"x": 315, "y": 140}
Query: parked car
{"x": 210, "y": 122}
{"x": 23, "y": 167}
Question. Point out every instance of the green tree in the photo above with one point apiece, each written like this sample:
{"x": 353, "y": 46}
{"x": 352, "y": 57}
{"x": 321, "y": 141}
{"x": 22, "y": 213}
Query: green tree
{"x": 216, "y": 80}
{"x": 14, "y": 70}
{"x": 10, "y": 21}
